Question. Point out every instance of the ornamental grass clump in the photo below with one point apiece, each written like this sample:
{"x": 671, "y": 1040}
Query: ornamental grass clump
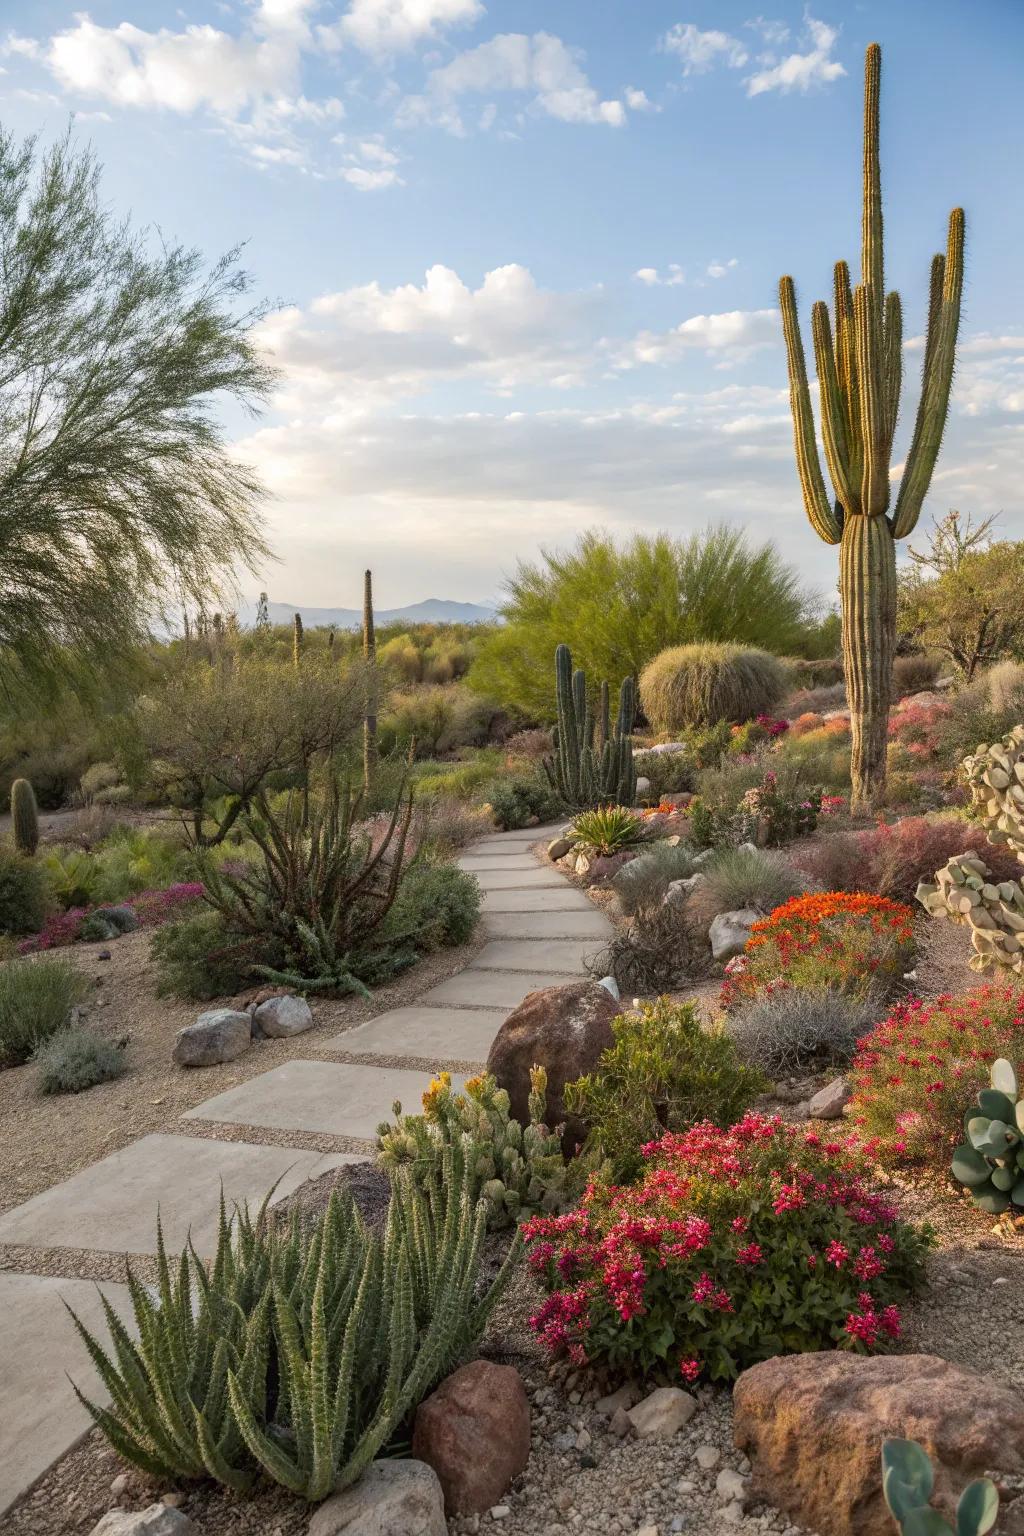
{"x": 847, "y": 941}
{"x": 701, "y": 684}
{"x": 917, "y": 1072}
{"x": 736, "y": 1246}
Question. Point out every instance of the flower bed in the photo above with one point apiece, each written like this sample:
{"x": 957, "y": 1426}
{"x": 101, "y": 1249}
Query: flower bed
{"x": 737, "y": 1245}
{"x": 150, "y": 909}
{"x": 853, "y": 942}
{"x": 916, "y": 1074}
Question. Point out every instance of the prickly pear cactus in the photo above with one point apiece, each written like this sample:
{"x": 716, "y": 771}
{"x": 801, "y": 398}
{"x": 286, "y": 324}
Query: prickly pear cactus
{"x": 990, "y": 1163}
{"x": 907, "y": 1483}
{"x": 964, "y": 889}
{"x": 516, "y": 1169}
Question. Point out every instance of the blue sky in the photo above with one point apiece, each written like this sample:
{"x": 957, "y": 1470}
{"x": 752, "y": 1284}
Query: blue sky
{"x": 526, "y": 255}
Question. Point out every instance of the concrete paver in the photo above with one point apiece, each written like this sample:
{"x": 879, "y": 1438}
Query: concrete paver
{"x": 535, "y": 877}
{"x": 553, "y": 898}
{"x": 492, "y": 989}
{"x": 534, "y": 955}
{"x": 435, "y": 1034}
{"x": 552, "y": 923}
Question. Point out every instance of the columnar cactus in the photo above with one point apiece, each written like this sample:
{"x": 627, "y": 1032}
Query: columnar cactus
{"x": 990, "y": 1163}
{"x": 370, "y": 658}
{"x": 586, "y": 775}
{"x": 859, "y": 375}
{"x": 24, "y": 817}
{"x": 964, "y": 890}
{"x": 297, "y": 641}
{"x": 907, "y": 1483}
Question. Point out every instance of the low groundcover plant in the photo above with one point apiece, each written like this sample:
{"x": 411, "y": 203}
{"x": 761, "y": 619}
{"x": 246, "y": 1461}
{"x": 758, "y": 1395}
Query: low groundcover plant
{"x": 738, "y": 1245}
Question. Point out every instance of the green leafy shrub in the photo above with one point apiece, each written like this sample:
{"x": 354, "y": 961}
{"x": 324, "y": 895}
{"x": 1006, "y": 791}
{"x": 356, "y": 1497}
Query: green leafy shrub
{"x": 702, "y": 684}
{"x": 608, "y": 829}
{"x": 36, "y": 999}
{"x": 642, "y": 883}
{"x": 515, "y": 1169}
{"x": 306, "y": 1346}
{"x": 438, "y": 717}
{"x": 458, "y": 780}
{"x": 24, "y": 892}
{"x": 745, "y": 877}
{"x": 198, "y": 957}
{"x": 522, "y": 800}
{"x": 757, "y": 1240}
{"x": 792, "y": 1029}
{"x": 75, "y": 1059}
{"x": 663, "y": 1072}
{"x": 439, "y": 904}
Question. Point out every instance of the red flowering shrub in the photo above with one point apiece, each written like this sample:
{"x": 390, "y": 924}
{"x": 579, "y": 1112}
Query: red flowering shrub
{"x": 910, "y": 850}
{"x": 150, "y": 907}
{"x": 917, "y": 1072}
{"x": 738, "y": 1245}
{"x": 808, "y": 721}
{"x": 856, "y": 943}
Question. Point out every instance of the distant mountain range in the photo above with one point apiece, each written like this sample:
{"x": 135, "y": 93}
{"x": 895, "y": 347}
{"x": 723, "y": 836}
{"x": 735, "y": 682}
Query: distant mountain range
{"x": 434, "y": 610}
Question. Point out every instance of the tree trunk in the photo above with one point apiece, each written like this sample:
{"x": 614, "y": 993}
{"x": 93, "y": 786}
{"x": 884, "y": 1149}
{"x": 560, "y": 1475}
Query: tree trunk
{"x": 867, "y": 582}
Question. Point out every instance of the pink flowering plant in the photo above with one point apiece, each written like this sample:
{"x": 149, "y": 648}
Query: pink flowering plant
{"x": 151, "y": 908}
{"x": 774, "y": 813}
{"x": 737, "y": 1245}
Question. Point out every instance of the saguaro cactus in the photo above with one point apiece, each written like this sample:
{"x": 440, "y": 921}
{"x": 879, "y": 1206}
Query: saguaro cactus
{"x": 859, "y": 374}
{"x": 370, "y": 658}
{"x": 297, "y": 641}
{"x": 24, "y": 817}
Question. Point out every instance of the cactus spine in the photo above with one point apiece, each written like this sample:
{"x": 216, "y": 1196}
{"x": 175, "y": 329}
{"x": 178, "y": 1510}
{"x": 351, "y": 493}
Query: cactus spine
{"x": 370, "y": 658}
{"x": 585, "y": 775}
{"x": 860, "y": 374}
{"x": 297, "y": 641}
{"x": 24, "y": 817}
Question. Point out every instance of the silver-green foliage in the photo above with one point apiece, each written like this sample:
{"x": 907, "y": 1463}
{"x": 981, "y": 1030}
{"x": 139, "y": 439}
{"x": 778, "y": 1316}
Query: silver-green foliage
{"x": 514, "y": 1169}
{"x": 644, "y": 881}
{"x": 746, "y": 877}
{"x": 305, "y": 1346}
{"x": 907, "y": 1483}
{"x": 990, "y": 1163}
{"x": 75, "y": 1059}
{"x": 787, "y": 1030}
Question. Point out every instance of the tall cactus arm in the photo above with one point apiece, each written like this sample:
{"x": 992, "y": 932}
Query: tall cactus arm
{"x": 893, "y": 365}
{"x": 871, "y": 260}
{"x": 833, "y": 412}
{"x": 936, "y": 285}
{"x": 875, "y": 475}
{"x": 846, "y": 357}
{"x": 823, "y": 517}
{"x": 933, "y": 409}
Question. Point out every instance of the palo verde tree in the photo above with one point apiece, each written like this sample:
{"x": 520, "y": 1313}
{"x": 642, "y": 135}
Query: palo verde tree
{"x": 118, "y": 497}
{"x": 859, "y": 365}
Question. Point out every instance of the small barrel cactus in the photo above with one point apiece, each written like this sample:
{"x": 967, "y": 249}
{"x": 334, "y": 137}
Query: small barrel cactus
{"x": 990, "y": 1163}
{"x": 24, "y": 817}
{"x": 907, "y": 1483}
{"x": 515, "y": 1169}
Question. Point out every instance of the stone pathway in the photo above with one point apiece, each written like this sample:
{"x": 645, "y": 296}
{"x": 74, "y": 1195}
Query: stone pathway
{"x": 539, "y": 931}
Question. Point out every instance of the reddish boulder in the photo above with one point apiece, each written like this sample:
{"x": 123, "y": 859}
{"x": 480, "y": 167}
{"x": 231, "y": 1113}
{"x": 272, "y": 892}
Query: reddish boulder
{"x": 562, "y": 1029}
{"x": 813, "y": 1425}
{"x": 475, "y": 1433}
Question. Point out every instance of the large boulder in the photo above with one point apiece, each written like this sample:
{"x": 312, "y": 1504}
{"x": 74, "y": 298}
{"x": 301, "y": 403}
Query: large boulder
{"x": 812, "y": 1427}
{"x": 563, "y": 1029}
{"x": 280, "y": 1017}
{"x": 475, "y": 1433}
{"x": 730, "y": 931}
{"x": 390, "y": 1497}
{"x": 221, "y": 1034}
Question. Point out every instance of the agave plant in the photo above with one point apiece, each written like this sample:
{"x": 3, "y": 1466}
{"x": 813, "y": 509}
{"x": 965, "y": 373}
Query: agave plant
{"x": 991, "y": 1161}
{"x": 306, "y": 1345}
{"x": 608, "y": 829}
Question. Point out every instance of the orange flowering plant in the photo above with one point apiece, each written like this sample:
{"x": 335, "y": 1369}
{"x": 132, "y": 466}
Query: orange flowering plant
{"x": 851, "y": 942}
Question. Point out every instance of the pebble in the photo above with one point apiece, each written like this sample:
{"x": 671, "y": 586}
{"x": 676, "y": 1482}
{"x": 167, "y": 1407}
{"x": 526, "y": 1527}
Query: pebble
{"x": 707, "y": 1456}
{"x": 730, "y": 1486}
{"x": 119, "y": 1484}
{"x": 500, "y": 1511}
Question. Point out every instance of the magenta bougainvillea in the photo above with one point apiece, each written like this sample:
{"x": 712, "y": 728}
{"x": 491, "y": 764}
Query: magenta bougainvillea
{"x": 735, "y": 1246}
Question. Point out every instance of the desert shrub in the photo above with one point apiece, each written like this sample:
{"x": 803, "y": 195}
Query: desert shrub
{"x": 642, "y": 883}
{"x": 24, "y": 892}
{"x": 198, "y": 957}
{"x": 670, "y": 773}
{"x": 130, "y": 860}
{"x": 307, "y": 1345}
{"x": 98, "y": 776}
{"x": 900, "y": 855}
{"x": 913, "y": 674}
{"x": 522, "y": 801}
{"x": 818, "y": 700}
{"x": 779, "y": 809}
{"x": 836, "y": 862}
{"x": 608, "y": 829}
{"x": 808, "y": 721}
{"x": 36, "y": 999}
{"x": 792, "y": 1030}
{"x": 437, "y": 904}
{"x": 443, "y": 825}
{"x": 858, "y": 944}
{"x": 533, "y": 744}
{"x": 664, "y": 1071}
{"x": 722, "y": 789}
{"x": 1004, "y": 685}
{"x": 916, "y": 1074}
{"x": 704, "y": 683}
{"x": 738, "y": 1245}
{"x": 75, "y": 1059}
{"x": 461, "y": 780}
{"x": 822, "y": 756}
{"x": 659, "y": 950}
{"x": 745, "y": 877}
{"x": 438, "y": 716}
{"x": 53, "y": 771}
{"x": 983, "y": 710}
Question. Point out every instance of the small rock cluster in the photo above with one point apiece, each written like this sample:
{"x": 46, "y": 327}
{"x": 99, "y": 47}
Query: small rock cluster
{"x": 221, "y": 1034}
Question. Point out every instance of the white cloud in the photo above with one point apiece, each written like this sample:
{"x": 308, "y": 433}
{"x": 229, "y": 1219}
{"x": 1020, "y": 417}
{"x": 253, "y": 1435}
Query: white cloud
{"x": 701, "y": 51}
{"x": 738, "y": 331}
{"x": 720, "y": 268}
{"x": 541, "y": 66}
{"x": 774, "y": 33}
{"x": 392, "y": 26}
{"x": 639, "y": 101}
{"x": 370, "y": 180}
{"x": 801, "y": 71}
{"x": 674, "y": 276}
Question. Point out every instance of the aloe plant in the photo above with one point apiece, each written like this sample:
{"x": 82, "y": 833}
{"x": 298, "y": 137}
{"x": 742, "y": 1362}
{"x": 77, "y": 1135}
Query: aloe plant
{"x": 859, "y": 360}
